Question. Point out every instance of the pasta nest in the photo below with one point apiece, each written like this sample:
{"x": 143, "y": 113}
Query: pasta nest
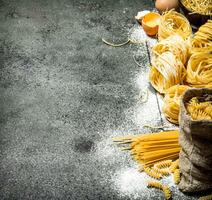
{"x": 199, "y": 70}
{"x": 202, "y": 40}
{"x": 203, "y": 7}
{"x": 171, "y": 107}
{"x": 164, "y": 74}
{"x": 172, "y": 23}
{"x": 175, "y": 44}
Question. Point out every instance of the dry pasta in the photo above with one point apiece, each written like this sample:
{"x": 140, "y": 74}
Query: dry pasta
{"x": 163, "y": 164}
{"x": 199, "y": 110}
{"x": 203, "y": 7}
{"x": 166, "y": 190}
{"x": 148, "y": 149}
{"x": 199, "y": 70}
{"x": 174, "y": 165}
{"x": 152, "y": 173}
{"x": 154, "y": 184}
{"x": 166, "y": 71}
{"x": 208, "y": 197}
{"x": 163, "y": 172}
{"x": 171, "y": 107}
{"x": 176, "y": 176}
{"x": 173, "y": 23}
{"x": 202, "y": 40}
{"x": 175, "y": 44}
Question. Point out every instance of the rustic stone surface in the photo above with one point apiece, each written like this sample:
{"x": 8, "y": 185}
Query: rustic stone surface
{"x": 63, "y": 96}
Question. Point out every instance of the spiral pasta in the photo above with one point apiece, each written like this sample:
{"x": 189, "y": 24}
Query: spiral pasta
{"x": 199, "y": 110}
{"x": 164, "y": 74}
{"x": 174, "y": 165}
{"x": 173, "y": 23}
{"x": 163, "y": 171}
{"x": 171, "y": 106}
{"x": 199, "y": 70}
{"x": 152, "y": 173}
{"x": 166, "y": 190}
{"x": 163, "y": 164}
{"x": 202, "y": 40}
{"x": 176, "y": 176}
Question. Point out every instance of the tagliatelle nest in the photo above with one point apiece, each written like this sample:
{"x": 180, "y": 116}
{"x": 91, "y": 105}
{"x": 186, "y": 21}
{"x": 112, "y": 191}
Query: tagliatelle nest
{"x": 199, "y": 70}
{"x": 172, "y": 23}
{"x": 171, "y": 107}
{"x": 202, "y": 40}
{"x": 203, "y": 7}
{"x": 166, "y": 71}
{"x": 175, "y": 44}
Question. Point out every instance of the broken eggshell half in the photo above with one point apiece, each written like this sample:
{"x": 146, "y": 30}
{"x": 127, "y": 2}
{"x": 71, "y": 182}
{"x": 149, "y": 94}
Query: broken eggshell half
{"x": 150, "y": 23}
{"x": 140, "y": 15}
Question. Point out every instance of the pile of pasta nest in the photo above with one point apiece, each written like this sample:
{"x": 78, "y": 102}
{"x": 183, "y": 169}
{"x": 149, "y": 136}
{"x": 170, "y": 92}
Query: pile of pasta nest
{"x": 179, "y": 61}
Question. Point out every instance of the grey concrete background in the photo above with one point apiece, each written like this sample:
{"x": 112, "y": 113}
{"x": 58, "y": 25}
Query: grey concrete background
{"x": 63, "y": 96}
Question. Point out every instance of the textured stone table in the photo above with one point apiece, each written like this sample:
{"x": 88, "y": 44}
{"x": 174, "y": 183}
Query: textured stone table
{"x": 63, "y": 96}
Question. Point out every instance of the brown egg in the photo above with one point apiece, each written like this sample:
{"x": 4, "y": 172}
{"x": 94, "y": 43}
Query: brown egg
{"x": 165, "y": 5}
{"x": 150, "y": 23}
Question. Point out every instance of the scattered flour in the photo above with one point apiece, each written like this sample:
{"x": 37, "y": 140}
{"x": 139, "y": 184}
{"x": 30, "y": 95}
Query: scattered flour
{"x": 137, "y": 34}
{"x": 129, "y": 182}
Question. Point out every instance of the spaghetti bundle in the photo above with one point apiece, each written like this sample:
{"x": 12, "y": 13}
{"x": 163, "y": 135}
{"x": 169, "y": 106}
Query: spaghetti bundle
{"x": 175, "y": 44}
{"x": 173, "y": 23}
{"x": 203, "y": 7}
{"x": 202, "y": 40}
{"x": 166, "y": 71}
{"x": 199, "y": 110}
{"x": 148, "y": 149}
{"x": 199, "y": 70}
{"x": 171, "y": 107}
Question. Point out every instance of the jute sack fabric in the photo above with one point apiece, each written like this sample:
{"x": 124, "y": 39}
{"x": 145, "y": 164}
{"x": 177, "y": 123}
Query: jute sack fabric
{"x": 196, "y": 142}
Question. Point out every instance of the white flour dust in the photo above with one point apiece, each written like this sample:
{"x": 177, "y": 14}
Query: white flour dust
{"x": 137, "y": 34}
{"x": 130, "y": 182}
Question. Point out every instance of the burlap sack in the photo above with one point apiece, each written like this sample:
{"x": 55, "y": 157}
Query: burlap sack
{"x": 196, "y": 142}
